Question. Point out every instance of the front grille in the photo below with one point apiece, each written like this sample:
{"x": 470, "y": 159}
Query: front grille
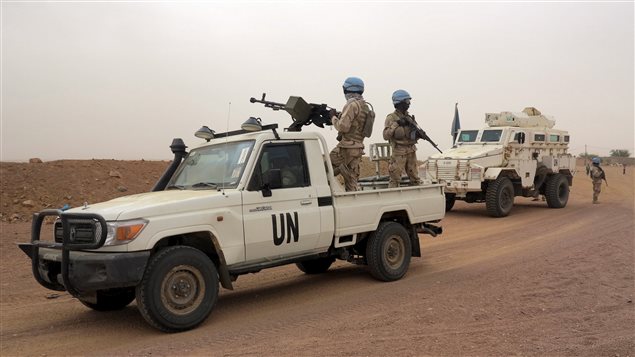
{"x": 446, "y": 173}
{"x": 81, "y": 231}
{"x": 449, "y": 172}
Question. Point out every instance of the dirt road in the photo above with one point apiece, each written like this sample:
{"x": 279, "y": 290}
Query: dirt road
{"x": 539, "y": 282}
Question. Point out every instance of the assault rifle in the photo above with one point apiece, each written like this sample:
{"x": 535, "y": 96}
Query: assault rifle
{"x": 418, "y": 133}
{"x": 603, "y": 176}
{"x": 301, "y": 112}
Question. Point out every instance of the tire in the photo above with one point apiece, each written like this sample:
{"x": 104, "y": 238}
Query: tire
{"x": 178, "y": 290}
{"x": 388, "y": 252}
{"x": 315, "y": 266}
{"x": 111, "y": 299}
{"x": 450, "y": 198}
{"x": 499, "y": 197}
{"x": 557, "y": 191}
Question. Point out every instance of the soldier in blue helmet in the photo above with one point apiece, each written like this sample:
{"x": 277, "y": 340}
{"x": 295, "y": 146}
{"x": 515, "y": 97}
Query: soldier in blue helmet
{"x": 597, "y": 175}
{"x": 350, "y": 124}
{"x": 402, "y": 137}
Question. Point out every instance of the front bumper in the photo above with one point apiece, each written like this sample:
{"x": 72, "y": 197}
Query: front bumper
{"x": 460, "y": 188}
{"x": 67, "y": 265}
{"x": 88, "y": 271}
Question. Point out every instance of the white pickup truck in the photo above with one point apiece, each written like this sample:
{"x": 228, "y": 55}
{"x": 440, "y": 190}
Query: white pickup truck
{"x": 237, "y": 204}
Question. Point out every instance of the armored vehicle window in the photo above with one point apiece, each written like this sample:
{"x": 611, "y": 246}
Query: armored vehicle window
{"x": 212, "y": 167}
{"x": 566, "y": 138}
{"x": 468, "y": 136}
{"x": 289, "y": 158}
{"x": 554, "y": 138}
{"x": 539, "y": 137}
{"x": 491, "y": 136}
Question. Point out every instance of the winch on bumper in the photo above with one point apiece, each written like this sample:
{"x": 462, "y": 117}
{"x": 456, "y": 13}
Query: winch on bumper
{"x": 68, "y": 266}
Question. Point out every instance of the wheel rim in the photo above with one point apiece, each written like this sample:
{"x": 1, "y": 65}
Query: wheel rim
{"x": 183, "y": 289}
{"x": 395, "y": 251}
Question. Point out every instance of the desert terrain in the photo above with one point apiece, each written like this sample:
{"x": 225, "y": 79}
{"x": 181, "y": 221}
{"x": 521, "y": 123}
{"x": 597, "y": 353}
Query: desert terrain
{"x": 540, "y": 282}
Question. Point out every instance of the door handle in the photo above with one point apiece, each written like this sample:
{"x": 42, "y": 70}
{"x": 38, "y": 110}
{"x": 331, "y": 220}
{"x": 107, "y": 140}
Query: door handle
{"x": 305, "y": 202}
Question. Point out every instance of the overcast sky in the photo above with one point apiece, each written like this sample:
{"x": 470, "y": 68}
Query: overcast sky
{"x": 119, "y": 80}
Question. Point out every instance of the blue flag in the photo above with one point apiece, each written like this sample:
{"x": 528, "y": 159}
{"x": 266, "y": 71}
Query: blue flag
{"x": 456, "y": 123}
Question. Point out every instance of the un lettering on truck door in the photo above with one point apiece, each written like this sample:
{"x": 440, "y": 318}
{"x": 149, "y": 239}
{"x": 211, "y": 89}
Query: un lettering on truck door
{"x": 290, "y": 226}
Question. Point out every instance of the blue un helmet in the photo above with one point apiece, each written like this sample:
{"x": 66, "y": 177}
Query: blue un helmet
{"x": 595, "y": 160}
{"x": 399, "y": 96}
{"x": 353, "y": 84}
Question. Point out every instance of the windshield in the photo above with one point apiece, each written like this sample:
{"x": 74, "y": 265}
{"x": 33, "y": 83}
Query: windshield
{"x": 491, "y": 136}
{"x": 467, "y": 136}
{"x": 211, "y": 167}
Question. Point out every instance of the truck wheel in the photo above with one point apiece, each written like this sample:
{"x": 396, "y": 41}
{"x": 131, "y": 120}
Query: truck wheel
{"x": 499, "y": 197}
{"x": 315, "y": 266}
{"x": 111, "y": 299}
{"x": 557, "y": 191}
{"x": 178, "y": 290}
{"x": 450, "y": 198}
{"x": 388, "y": 252}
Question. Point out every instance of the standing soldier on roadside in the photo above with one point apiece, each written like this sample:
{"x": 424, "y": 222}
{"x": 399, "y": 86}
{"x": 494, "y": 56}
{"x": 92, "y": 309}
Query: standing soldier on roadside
{"x": 597, "y": 175}
{"x": 402, "y": 137}
{"x": 350, "y": 126}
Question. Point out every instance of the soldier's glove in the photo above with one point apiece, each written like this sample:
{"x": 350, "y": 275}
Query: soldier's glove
{"x": 332, "y": 113}
{"x": 339, "y": 137}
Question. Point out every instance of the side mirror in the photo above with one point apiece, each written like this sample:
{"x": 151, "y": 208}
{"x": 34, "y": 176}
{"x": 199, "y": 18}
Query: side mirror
{"x": 521, "y": 138}
{"x": 271, "y": 181}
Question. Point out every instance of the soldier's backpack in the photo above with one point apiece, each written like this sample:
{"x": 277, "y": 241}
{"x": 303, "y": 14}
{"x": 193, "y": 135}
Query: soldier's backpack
{"x": 370, "y": 119}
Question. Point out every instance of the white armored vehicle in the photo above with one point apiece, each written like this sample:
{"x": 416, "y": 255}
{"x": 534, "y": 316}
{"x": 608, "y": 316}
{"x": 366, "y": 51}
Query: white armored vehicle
{"x": 517, "y": 154}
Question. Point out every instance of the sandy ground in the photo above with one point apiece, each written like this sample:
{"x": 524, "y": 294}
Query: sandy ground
{"x": 540, "y": 282}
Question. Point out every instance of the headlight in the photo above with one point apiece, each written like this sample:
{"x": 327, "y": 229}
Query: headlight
{"x": 122, "y": 232}
{"x": 475, "y": 173}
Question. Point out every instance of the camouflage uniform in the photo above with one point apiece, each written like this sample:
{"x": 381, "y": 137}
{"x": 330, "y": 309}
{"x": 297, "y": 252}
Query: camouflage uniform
{"x": 597, "y": 174}
{"x": 403, "y": 140}
{"x": 347, "y": 155}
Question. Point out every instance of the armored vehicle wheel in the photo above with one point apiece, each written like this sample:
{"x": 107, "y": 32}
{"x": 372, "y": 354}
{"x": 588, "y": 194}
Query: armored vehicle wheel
{"x": 111, "y": 299}
{"x": 499, "y": 197}
{"x": 557, "y": 191}
{"x": 178, "y": 290}
{"x": 450, "y": 198}
{"x": 388, "y": 252}
{"x": 315, "y": 266}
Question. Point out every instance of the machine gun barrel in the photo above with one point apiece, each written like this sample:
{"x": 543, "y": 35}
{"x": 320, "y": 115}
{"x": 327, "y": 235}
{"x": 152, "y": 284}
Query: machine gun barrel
{"x": 421, "y": 133}
{"x": 268, "y": 104}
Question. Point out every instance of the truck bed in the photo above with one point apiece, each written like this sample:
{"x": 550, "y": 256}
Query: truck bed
{"x": 359, "y": 211}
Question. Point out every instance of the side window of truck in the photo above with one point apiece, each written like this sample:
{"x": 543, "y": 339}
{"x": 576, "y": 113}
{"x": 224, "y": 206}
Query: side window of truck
{"x": 289, "y": 158}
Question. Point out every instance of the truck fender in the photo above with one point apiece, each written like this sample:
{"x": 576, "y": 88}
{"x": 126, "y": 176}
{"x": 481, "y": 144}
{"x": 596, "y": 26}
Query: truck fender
{"x": 223, "y": 272}
{"x": 493, "y": 173}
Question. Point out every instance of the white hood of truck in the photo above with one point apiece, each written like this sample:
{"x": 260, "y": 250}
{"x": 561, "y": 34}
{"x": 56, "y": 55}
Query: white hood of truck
{"x": 467, "y": 152}
{"x": 145, "y": 205}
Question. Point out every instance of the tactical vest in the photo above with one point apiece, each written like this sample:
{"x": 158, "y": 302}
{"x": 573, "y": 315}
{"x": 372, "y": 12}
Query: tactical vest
{"x": 356, "y": 133}
{"x": 408, "y": 132}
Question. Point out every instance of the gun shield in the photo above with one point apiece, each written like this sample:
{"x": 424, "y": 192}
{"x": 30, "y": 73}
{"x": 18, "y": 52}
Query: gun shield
{"x": 298, "y": 108}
